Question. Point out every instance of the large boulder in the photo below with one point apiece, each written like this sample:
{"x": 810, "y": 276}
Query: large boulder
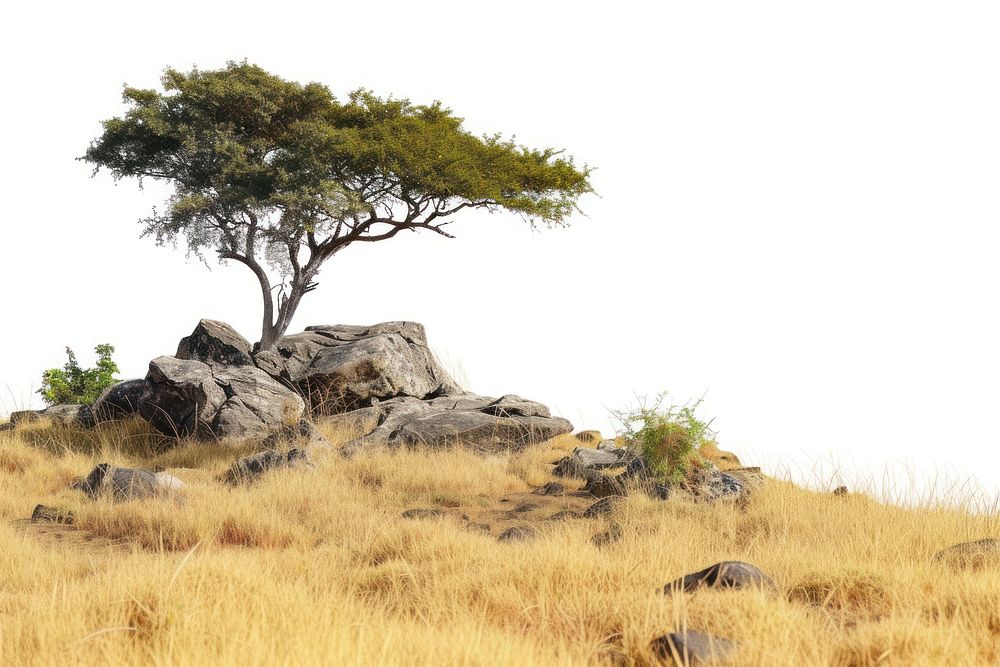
{"x": 119, "y": 401}
{"x": 214, "y": 343}
{"x": 185, "y": 397}
{"x": 341, "y": 368}
{"x": 480, "y": 423}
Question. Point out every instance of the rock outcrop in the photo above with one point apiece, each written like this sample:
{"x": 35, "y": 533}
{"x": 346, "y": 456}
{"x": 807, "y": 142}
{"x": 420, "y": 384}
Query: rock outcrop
{"x": 380, "y": 381}
{"x": 481, "y": 423}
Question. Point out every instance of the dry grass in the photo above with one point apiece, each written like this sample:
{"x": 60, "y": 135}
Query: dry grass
{"x": 319, "y": 568}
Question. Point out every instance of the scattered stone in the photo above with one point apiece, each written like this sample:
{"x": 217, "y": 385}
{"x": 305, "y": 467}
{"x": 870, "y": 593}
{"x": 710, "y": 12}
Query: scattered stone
{"x": 840, "y": 491}
{"x": 550, "y": 489}
{"x": 46, "y": 514}
{"x": 565, "y": 514}
{"x": 524, "y": 507}
{"x": 609, "y": 446}
{"x": 119, "y": 401}
{"x": 518, "y": 534}
{"x": 126, "y": 483}
{"x": 602, "y": 506}
{"x": 971, "y": 555}
{"x": 249, "y": 468}
{"x": 727, "y": 574}
{"x": 691, "y": 647}
{"x": 612, "y": 534}
{"x": 421, "y": 513}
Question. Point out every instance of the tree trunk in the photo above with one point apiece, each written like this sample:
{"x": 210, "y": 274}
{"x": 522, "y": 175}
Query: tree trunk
{"x": 274, "y": 328}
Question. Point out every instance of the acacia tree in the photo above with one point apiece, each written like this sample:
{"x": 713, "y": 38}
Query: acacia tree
{"x": 277, "y": 175}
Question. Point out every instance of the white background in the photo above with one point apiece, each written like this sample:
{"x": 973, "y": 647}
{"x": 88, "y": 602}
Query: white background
{"x": 798, "y": 210}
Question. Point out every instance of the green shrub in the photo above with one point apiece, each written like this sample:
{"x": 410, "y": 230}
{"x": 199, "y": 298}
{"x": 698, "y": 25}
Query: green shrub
{"x": 668, "y": 438}
{"x": 72, "y": 384}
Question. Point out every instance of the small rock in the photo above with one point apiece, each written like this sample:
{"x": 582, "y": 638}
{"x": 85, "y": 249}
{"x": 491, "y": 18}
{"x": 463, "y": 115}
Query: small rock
{"x": 523, "y": 507}
{"x": 971, "y": 555}
{"x": 565, "y": 514}
{"x": 602, "y": 506}
{"x": 727, "y": 574}
{"x": 422, "y": 513}
{"x": 612, "y": 534}
{"x": 123, "y": 483}
{"x": 518, "y": 534}
{"x": 8, "y": 426}
{"x": 251, "y": 467}
{"x": 550, "y": 489}
{"x": 608, "y": 445}
{"x": 45, "y": 514}
{"x": 691, "y": 647}
{"x": 840, "y": 491}
{"x": 602, "y": 486}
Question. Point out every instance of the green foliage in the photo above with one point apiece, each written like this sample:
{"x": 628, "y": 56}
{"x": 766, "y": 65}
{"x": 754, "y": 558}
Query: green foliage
{"x": 669, "y": 438}
{"x": 269, "y": 172}
{"x": 245, "y": 148}
{"x": 72, "y": 384}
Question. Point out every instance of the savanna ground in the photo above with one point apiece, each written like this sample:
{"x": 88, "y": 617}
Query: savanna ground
{"x": 320, "y": 568}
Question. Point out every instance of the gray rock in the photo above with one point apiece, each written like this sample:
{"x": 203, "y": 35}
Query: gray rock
{"x": 971, "y": 555}
{"x": 249, "y": 468}
{"x": 584, "y": 462}
{"x": 214, "y": 343}
{"x": 727, "y": 574}
{"x": 341, "y": 367}
{"x": 45, "y": 514}
{"x": 477, "y": 422}
{"x": 518, "y": 534}
{"x": 691, "y": 647}
{"x": 125, "y": 483}
{"x": 186, "y": 397}
{"x": 70, "y": 414}
{"x": 119, "y": 401}
{"x": 181, "y": 397}
{"x": 7, "y": 426}
{"x": 257, "y": 404}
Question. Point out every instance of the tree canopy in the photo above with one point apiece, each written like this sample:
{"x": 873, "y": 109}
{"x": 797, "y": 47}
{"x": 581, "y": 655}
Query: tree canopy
{"x": 273, "y": 173}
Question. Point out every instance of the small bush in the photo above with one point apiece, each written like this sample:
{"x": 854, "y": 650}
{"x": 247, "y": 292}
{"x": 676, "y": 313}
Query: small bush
{"x": 668, "y": 438}
{"x": 72, "y": 384}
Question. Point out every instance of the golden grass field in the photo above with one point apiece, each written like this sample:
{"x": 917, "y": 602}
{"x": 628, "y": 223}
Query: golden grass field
{"x": 311, "y": 568}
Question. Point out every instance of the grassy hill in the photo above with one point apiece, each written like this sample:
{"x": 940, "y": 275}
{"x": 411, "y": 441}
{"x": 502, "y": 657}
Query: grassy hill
{"x": 321, "y": 568}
